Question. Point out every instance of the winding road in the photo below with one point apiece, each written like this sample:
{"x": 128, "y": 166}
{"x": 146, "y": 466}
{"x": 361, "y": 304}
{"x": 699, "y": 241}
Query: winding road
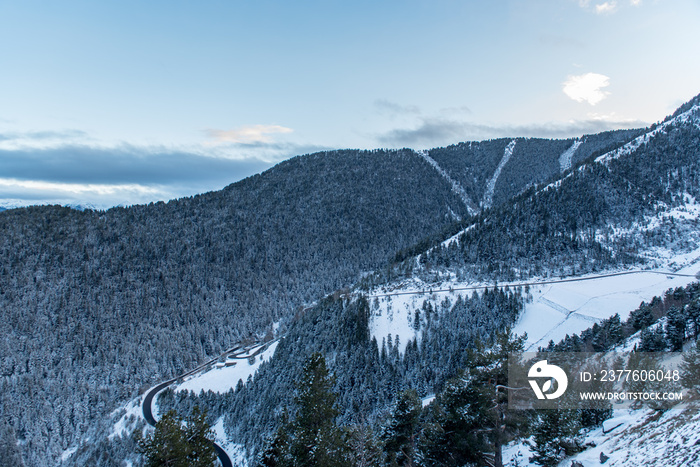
{"x": 147, "y": 405}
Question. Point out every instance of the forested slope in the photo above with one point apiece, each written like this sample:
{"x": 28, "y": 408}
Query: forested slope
{"x": 98, "y": 305}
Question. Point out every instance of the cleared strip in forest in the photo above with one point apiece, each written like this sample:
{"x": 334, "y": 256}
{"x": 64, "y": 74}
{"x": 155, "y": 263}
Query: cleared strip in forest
{"x": 567, "y": 156}
{"x": 456, "y": 187}
{"x": 491, "y": 185}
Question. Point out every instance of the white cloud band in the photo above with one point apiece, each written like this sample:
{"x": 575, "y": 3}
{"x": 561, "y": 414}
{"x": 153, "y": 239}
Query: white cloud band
{"x": 249, "y": 134}
{"x": 587, "y": 87}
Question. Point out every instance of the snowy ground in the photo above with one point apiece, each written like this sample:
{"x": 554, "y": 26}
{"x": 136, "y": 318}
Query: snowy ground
{"x": 127, "y": 422}
{"x": 641, "y": 437}
{"x": 631, "y": 438}
{"x": 235, "y": 452}
{"x": 571, "y": 307}
{"x": 221, "y": 378}
{"x": 556, "y": 309}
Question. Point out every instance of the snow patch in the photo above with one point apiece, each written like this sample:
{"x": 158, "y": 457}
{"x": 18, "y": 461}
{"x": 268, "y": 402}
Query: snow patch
{"x": 566, "y": 156}
{"x": 236, "y": 452}
{"x": 456, "y": 187}
{"x": 67, "y": 453}
{"x": 127, "y": 422}
{"x": 491, "y": 185}
{"x": 225, "y": 375}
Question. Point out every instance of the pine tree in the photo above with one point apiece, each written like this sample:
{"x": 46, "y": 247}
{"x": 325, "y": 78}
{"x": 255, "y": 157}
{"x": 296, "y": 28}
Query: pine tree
{"x": 641, "y": 317}
{"x": 400, "y": 435}
{"x": 555, "y": 435}
{"x": 178, "y": 443}
{"x": 312, "y": 438}
{"x": 675, "y": 329}
{"x": 469, "y": 422}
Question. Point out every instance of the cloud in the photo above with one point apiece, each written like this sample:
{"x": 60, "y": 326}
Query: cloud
{"x": 606, "y": 8}
{"x": 441, "y": 132}
{"x": 635, "y": 2}
{"x": 43, "y": 136}
{"x": 461, "y": 110}
{"x": 249, "y": 134}
{"x": 387, "y": 107}
{"x": 109, "y": 176}
{"x": 586, "y": 87}
{"x": 124, "y": 164}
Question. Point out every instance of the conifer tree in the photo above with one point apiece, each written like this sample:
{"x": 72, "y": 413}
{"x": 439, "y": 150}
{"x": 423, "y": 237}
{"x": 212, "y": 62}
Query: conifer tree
{"x": 178, "y": 443}
{"x": 312, "y": 438}
{"x": 555, "y": 435}
{"x": 400, "y": 435}
{"x": 675, "y": 329}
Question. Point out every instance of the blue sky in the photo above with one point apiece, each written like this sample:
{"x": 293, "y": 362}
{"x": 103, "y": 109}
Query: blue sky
{"x": 126, "y": 102}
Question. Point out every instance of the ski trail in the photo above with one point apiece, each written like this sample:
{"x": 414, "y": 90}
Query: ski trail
{"x": 566, "y": 156}
{"x": 491, "y": 185}
{"x": 456, "y": 187}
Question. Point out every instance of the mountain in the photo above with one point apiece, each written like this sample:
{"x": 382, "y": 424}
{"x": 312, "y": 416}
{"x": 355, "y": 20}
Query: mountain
{"x": 618, "y": 228}
{"x": 98, "y": 306}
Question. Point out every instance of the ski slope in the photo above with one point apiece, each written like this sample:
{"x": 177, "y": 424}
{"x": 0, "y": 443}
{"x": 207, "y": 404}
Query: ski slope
{"x": 557, "y": 306}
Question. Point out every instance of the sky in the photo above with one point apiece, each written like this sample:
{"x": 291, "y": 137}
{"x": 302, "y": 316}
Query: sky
{"x": 116, "y": 103}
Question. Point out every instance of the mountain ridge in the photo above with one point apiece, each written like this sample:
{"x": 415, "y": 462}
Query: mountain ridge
{"x": 130, "y": 288}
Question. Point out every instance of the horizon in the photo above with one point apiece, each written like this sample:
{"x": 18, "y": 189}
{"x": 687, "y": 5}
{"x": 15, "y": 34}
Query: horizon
{"x": 123, "y": 103}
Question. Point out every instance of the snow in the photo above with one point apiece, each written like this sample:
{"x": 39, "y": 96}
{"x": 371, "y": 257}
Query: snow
{"x": 633, "y": 437}
{"x": 455, "y": 237}
{"x": 392, "y": 315}
{"x": 491, "y": 184}
{"x": 566, "y": 156}
{"x": 126, "y": 423}
{"x": 235, "y": 452}
{"x": 646, "y": 438}
{"x": 456, "y": 187}
{"x": 67, "y": 453}
{"x": 517, "y": 454}
{"x": 571, "y": 307}
{"x": 426, "y": 401}
{"x": 221, "y": 379}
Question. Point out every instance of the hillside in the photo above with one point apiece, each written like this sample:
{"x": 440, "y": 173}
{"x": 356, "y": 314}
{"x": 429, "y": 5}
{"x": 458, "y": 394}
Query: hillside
{"x": 630, "y": 210}
{"x": 97, "y": 306}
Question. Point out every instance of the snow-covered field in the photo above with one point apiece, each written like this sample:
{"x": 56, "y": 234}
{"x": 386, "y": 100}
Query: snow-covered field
{"x": 222, "y": 378}
{"x": 556, "y": 309}
{"x": 571, "y": 307}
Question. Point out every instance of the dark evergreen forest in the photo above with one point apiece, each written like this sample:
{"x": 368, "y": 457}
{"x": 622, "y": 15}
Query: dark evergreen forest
{"x": 97, "y": 306}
